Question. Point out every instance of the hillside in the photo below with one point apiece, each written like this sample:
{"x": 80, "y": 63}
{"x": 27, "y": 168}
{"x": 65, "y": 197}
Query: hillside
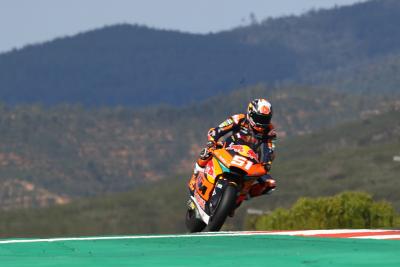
{"x": 353, "y": 156}
{"x": 337, "y": 40}
{"x": 52, "y": 155}
{"x": 135, "y": 66}
{"x": 375, "y": 76}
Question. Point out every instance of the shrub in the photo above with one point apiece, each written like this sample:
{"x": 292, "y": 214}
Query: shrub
{"x": 345, "y": 210}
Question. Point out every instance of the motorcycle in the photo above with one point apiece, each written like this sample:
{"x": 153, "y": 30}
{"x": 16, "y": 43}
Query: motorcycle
{"x": 215, "y": 192}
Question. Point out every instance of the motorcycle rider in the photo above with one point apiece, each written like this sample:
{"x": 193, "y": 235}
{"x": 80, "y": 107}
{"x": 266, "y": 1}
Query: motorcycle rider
{"x": 254, "y": 129}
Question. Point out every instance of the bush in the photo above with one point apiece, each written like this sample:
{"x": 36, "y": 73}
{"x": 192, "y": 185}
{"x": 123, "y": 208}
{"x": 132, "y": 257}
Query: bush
{"x": 345, "y": 210}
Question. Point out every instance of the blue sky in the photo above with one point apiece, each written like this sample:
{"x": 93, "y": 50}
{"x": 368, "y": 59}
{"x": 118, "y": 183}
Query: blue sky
{"x": 25, "y": 22}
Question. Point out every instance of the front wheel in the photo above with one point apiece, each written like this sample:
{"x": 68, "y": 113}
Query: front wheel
{"x": 225, "y": 206}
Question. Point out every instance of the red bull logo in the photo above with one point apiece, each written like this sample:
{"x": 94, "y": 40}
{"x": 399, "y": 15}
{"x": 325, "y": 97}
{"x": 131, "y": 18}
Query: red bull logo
{"x": 252, "y": 154}
{"x": 236, "y": 148}
{"x": 243, "y": 150}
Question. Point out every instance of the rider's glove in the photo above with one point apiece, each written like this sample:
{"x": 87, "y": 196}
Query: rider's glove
{"x": 205, "y": 153}
{"x": 211, "y": 145}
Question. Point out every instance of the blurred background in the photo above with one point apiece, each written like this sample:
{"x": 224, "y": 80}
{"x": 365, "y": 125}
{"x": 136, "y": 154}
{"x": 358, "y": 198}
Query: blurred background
{"x": 105, "y": 106}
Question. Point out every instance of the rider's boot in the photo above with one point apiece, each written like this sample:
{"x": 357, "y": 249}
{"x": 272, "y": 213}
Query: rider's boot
{"x": 263, "y": 186}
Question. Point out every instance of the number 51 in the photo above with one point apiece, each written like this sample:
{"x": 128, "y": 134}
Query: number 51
{"x": 241, "y": 162}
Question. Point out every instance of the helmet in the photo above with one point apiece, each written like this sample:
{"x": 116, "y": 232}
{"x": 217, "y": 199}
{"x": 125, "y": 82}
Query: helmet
{"x": 259, "y": 114}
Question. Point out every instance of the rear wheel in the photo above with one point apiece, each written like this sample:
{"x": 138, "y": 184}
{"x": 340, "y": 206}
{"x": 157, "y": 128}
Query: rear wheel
{"x": 225, "y": 206}
{"x": 193, "y": 224}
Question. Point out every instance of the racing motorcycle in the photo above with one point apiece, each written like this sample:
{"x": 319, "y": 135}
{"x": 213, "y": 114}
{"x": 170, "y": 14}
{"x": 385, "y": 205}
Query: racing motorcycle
{"x": 215, "y": 192}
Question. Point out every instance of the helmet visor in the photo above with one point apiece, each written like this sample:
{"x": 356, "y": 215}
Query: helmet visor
{"x": 260, "y": 119}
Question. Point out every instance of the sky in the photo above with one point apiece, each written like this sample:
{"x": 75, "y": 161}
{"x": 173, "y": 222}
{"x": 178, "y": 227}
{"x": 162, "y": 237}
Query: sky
{"x": 25, "y": 22}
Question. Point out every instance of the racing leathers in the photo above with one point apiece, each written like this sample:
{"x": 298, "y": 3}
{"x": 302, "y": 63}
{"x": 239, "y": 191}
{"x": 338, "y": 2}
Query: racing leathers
{"x": 236, "y": 130}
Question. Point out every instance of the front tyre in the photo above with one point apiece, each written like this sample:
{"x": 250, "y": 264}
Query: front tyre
{"x": 225, "y": 206}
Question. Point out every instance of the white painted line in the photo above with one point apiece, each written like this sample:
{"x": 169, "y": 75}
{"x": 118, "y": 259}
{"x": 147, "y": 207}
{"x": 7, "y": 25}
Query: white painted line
{"x": 378, "y": 237}
{"x": 322, "y": 232}
{"x": 205, "y": 234}
{"x": 94, "y": 238}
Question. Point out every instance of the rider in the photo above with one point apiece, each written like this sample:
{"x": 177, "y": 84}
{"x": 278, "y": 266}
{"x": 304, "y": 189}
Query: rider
{"x": 254, "y": 128}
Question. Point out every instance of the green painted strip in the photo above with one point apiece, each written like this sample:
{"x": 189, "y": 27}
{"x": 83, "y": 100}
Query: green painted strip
{"x": 250, "y": 250}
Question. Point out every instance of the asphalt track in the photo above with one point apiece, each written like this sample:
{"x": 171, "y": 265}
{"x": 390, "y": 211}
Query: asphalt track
{"x": 221, "y": 249}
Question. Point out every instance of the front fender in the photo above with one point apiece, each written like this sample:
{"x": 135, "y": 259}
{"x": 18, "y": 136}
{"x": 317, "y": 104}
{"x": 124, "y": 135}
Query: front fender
{"x": 219, "y": 188}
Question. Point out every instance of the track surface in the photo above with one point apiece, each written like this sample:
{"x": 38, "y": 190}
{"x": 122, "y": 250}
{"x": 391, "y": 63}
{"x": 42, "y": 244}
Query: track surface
{"x": 220, "y": 249}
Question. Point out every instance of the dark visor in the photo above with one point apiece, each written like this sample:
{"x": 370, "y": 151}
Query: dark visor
{"x": 261, "y": 119}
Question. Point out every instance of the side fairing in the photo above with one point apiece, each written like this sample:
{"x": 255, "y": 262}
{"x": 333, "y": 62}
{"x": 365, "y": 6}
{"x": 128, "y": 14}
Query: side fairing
{"x": 213, "y": 170}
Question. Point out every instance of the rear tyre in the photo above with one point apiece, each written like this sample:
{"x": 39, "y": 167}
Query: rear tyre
{"x": 225, "y": 206}
{"x": 193, "y": 224}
